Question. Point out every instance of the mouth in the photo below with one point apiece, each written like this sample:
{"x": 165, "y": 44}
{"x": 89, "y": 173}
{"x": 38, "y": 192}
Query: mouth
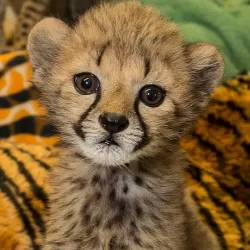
{"x": 110, "y": 141}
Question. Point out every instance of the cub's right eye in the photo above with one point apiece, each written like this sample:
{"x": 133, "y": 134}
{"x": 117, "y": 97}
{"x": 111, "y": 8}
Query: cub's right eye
{"x": 86, "y": 83}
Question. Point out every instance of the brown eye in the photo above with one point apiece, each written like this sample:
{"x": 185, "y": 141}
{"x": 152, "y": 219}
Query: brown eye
{"x": 86, "y": 83}
{"x": 152, "y": 95}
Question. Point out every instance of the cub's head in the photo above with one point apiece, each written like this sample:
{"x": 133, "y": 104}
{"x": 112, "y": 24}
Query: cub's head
{"x": 121, "y": 84}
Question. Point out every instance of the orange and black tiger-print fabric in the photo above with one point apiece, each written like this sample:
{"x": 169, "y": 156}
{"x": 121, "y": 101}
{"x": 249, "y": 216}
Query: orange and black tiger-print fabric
{"x": 22, "y": 119}
{"x": 218, "y": 151}
{"x": 23, "y": 194}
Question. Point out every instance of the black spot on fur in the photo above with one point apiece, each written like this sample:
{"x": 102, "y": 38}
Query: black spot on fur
{"x": 125, "y": 189}
{"x": 98, "y": 196}
{"x": 97, "y": 221}
{"x": 102, "y": 182}
{"x": 137, "y": 241}
{"x": 25, "y": 25}
{"x": 24, "y": 33}
{"x": 138, "y": 181}
{"x": 116, "y": 220}
{"x": 112, "y": 195}
{"x": 85, "y": 207}
{"x": 96, "y": 178}
{"x": 27, "y": 16}
{"x": 139, "y": 211}
{"x": 114, "y": 171}
{"x": 112, "y": 243}
{"x": 115, "y": 245}
{"x": 133, "y": 225}
{"x": 122, "y": 206}
{"x": 86, "y": 219}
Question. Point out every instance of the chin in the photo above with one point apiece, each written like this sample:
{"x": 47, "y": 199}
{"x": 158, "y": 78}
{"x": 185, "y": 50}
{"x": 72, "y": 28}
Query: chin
{"x": 107, "y": 155}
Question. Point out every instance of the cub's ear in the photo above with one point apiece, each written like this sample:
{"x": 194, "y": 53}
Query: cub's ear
{"x": 207, "y": 67}
{"x": 44, "y": 43}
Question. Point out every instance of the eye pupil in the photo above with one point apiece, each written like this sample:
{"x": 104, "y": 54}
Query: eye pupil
{"x": 152, "y": 95}
{"x": 86, "y": 83}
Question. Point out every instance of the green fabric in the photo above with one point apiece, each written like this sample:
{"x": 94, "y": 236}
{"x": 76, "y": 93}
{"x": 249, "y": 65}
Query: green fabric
{"x": 224, "y": 23}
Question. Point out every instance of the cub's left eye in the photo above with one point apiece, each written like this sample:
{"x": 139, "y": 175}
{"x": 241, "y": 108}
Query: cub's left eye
{"x": 152, "y": 95}
{"x": 86, "y": 83}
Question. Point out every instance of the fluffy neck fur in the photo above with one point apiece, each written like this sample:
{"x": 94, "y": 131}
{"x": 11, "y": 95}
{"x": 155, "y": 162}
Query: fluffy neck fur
{"x": 128, "y": 206}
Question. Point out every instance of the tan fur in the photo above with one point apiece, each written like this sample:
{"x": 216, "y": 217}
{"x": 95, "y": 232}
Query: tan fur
{"x": 118, "y": 197}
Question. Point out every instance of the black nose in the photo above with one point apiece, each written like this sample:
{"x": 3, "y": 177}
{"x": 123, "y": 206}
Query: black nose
{"x": 113, "y": 122}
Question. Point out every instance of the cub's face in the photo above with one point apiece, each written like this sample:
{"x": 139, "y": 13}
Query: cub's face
{"x": 121, "y": 85}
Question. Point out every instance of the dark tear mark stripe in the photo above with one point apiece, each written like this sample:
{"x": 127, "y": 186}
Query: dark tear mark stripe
{"x": 34, "y": 158}
{"x": 78, "y": 126}
{"x": 147, "y": 66}
{"x": 35, "y": 215}
{"x": 145, "y": 138}
{"x": 219, "y": 121}
{"x": 224, "y": 206}
{"x": 212, "y": 223}
{"x": 104, "y": 47}
{"x": 232, "y": 105}
{"x": 38, "y": 191}
{"x": 23, "y": 216}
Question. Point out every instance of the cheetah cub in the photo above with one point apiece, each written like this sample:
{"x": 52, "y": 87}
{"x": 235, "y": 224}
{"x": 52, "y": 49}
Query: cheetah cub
{"x": 122, "y": 88}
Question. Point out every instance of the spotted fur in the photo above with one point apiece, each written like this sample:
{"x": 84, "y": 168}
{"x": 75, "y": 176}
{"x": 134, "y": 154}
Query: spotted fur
{"x": 129, "y": 196}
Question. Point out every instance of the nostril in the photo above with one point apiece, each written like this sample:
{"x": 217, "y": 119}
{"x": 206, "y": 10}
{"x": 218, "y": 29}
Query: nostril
{"x": 113, "y": 122}
{"x": 123, "y": 122}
